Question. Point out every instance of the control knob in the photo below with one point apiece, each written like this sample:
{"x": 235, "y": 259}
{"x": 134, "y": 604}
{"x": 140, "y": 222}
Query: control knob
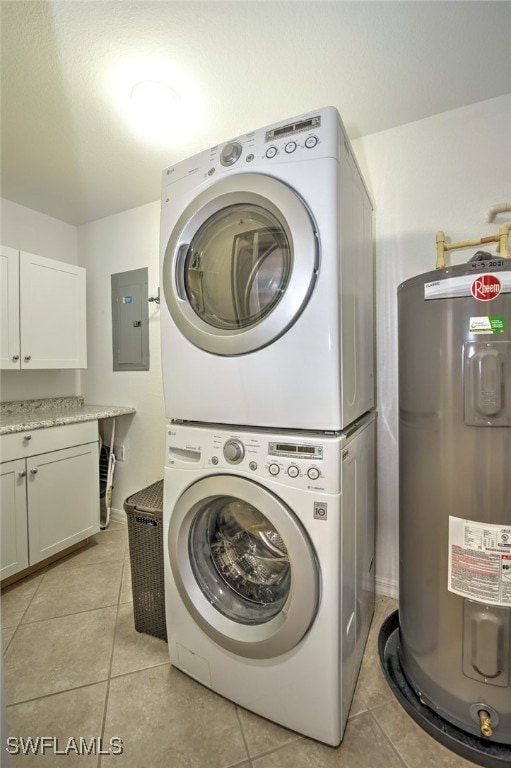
{"x": 230, "y": 153}
{"x": 234, "y": 451}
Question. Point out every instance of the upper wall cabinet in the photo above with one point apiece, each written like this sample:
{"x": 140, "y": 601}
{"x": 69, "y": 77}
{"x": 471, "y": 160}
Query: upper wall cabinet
{"x": 43, "y": 312}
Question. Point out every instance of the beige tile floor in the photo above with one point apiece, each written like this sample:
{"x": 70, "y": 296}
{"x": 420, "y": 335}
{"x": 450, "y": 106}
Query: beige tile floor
{"x": 74, "y": 666}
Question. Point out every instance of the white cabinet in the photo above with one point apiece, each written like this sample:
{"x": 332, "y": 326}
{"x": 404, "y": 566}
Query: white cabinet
{"x": 43, "y": 321}
{"x": 13, "y": 521}
{"x": 9, "y": 308}
{"x": 50, "y": 498}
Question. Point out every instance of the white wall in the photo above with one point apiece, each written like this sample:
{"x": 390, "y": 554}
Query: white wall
{"x": 440, "y": 173}
{"x": 129, "y": 240}
{"x": 28, "y": 230}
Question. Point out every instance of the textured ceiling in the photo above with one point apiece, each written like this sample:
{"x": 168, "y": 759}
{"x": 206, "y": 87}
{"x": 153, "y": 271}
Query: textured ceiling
{"x": 69, "y": 151}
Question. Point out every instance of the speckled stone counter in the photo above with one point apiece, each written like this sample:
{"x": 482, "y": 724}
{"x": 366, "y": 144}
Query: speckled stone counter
{"x": 23, "y": 415}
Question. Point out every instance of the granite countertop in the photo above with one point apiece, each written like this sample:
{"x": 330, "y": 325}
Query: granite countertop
{"x": 22, "y": 415}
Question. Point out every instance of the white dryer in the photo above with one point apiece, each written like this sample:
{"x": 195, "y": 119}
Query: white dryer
{"x": 269, "y": 577}
{"x": 267, "y": 275}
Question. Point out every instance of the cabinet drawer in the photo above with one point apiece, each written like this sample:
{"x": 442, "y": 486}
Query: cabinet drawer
{"x": 32, "y": 442}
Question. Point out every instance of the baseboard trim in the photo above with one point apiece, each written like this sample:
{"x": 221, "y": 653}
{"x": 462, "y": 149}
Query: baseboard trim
{"x": 118, "y": 515}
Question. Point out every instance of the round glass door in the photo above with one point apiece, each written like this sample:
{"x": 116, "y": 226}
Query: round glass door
{"x": 240, "y": 264}
{"x": 239, "y": 560}
{"x": 243, "y": 566}
{"x": 237, "y": 267}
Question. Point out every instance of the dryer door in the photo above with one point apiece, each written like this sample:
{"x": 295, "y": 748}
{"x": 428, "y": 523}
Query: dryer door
{"x": 240, "y": 264}
{"x": 244, "y": 566}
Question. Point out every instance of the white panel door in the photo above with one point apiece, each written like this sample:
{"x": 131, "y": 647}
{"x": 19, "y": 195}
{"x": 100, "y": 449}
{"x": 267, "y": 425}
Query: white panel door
{"x": 10, "y": 309}
{"x": 13, "y": 510}
{"x": 53, "y": 313}
{"x": 63, "y": 499}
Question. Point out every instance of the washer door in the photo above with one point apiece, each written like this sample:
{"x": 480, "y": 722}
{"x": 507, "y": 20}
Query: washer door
{"x": 244, "y": 566}
{"x": 240, "y": 264}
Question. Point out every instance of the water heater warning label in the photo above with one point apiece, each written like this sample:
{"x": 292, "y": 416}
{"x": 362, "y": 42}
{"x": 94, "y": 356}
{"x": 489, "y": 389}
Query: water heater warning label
{"x": 480, "y": 561}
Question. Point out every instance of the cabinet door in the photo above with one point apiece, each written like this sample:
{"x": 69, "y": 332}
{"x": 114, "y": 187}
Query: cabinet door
{"x": 53, "y": 319}
{"x": 63, "y": 499}
{"x": 13, "y": 528}
{"x": 10, "y": 309}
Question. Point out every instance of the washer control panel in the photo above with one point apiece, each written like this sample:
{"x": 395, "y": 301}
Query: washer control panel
{"x": 306, "y": 461}
{"x": 291, "y": 462}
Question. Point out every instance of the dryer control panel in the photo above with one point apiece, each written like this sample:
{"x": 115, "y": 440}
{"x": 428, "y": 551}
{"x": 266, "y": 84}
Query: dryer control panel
{"x": 307, "y": 137}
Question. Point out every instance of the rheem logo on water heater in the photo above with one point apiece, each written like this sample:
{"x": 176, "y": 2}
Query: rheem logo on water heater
{"x": 486, "y": 287}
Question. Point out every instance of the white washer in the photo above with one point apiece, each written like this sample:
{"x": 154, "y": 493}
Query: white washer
{"x": 269, "y": 578}
{"x": 267, "y": 275}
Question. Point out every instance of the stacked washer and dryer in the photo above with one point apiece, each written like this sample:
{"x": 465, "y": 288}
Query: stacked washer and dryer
{"x": 267, "y": 354}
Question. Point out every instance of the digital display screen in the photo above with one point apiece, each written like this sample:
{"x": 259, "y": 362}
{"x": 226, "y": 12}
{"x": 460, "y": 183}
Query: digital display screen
{"x": 298, "y": 451}
{"x": 292, "y": 128}
{"x": 284, "y": 448}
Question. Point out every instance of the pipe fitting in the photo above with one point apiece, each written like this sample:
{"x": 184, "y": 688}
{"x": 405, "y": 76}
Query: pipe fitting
{"x": 485, "y": 723}
{"x": 440, "y": 249}
{"x": 504, "y": 233}
{"x": 496, "y": 209}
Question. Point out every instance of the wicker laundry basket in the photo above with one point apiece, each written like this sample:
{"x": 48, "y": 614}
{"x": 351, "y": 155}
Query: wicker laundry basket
{"x": 144, "y": 511}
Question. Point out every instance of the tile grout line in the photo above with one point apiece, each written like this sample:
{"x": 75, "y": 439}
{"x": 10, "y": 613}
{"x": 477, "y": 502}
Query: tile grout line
{"x": 401, "y": 759}
{"x": 53, "y": 567}
{"x": 55, "y": 693}
{"x": 66, "y": 562}
{"x": 107, "y": 695}
{"x": 66, "y": 615}
{"x": 76, "y": 613}
{"x": 24, "y": 612}
{"x": 237, "y": 710}
{"x": 274, "y": 750}
{"x": 142, "y": 669}
{"x": 74, "y": 687}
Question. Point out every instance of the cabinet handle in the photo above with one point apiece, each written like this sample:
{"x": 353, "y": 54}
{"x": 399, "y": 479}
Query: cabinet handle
{"x": 34, "y": 471}
{"x": 15, "y": 358}
{"x": 27, "y": 358}
{"x": 27, "y": 437}
{"x": 22, "y": 474}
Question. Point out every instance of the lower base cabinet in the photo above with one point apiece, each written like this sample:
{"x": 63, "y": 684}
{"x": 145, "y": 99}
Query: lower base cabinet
{"x": 49, "y": 502}
{"x": 13, "y": 529}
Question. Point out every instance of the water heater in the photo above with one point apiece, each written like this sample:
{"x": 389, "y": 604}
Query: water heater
{"x": 455, "y": 494}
